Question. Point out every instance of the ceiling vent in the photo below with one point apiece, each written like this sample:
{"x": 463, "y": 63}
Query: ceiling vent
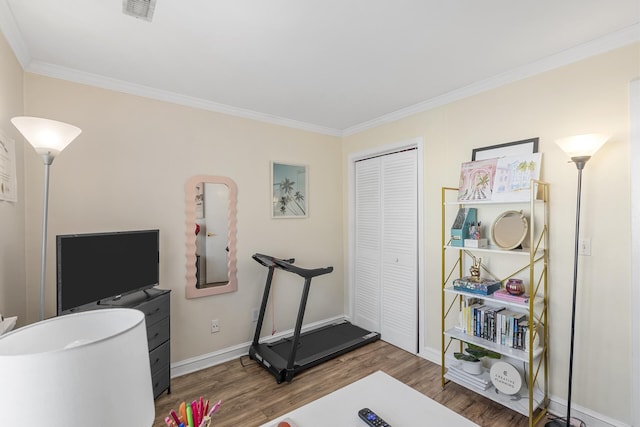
{"x": 141, "y": 9}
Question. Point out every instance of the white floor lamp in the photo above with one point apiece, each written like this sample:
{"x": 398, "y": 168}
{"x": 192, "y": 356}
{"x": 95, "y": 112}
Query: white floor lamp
{"x": 580, "y": 149}
{"x": 49, "y": 138}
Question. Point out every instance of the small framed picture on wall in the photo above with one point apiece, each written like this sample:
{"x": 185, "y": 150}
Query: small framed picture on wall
{"x": 289, "y": 190}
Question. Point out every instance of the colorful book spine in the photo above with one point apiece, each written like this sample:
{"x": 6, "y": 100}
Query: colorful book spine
{"x": 494, "y": 323}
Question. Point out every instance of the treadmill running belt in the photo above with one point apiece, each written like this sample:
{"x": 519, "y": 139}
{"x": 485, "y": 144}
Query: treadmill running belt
{"x": 322, "y": 340}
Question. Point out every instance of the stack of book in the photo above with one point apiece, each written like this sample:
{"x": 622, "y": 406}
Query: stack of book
{"x": 506, "y": 296}
{"x": 455, "y": 371}
{"x": 495, "y": 324}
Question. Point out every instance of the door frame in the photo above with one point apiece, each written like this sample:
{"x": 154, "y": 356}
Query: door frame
{"x": 634, "y": 107}
{"x": 416, "y": 143}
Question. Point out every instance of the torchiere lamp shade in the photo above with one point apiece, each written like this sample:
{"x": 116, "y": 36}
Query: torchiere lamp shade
{"x": 582, "y": 145}
{"x": 45, "y": 135}
{"x": 81, "y": 369}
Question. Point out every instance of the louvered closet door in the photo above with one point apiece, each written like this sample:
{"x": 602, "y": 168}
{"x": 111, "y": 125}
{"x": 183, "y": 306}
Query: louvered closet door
{"x": 367, "y": 244}
{"x": 386, "y": 264}
{"x": 399, "y": 250}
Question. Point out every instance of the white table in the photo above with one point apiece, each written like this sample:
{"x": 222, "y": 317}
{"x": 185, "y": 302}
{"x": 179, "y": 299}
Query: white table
{"x": 397, "y": 403}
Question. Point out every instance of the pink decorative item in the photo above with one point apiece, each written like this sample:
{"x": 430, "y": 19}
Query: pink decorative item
{"x": 515, "y": 287}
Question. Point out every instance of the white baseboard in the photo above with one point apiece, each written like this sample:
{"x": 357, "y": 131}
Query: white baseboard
{"x": 204, "y": 361}
{"x": 558, "y": 407}
{"x": 208, "y": 360}
{"x": 431, "y": 355}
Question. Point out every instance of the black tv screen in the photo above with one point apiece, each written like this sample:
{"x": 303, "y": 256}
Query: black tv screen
{"x": 99, "y": 266}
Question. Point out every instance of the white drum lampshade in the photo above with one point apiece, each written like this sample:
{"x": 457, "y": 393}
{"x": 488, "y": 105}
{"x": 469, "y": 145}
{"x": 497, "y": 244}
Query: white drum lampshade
{"x": 82, "y": 369}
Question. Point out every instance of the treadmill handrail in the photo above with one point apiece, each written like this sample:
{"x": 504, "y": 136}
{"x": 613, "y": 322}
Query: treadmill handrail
{"x": 268, "y": 260}
{"x": 304, "y": 272}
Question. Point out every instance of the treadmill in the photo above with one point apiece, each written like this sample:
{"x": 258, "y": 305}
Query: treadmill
{"x": 286, "y": 357}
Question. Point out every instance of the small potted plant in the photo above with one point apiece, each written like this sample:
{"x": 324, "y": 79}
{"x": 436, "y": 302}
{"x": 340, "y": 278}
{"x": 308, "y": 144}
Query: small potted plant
{"x": 472, "y": 358}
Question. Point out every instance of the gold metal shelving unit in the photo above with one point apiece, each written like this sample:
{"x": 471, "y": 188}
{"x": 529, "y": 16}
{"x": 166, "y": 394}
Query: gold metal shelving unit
{"x": 532, "y": 261}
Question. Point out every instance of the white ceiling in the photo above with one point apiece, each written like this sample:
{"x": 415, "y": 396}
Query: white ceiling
{"x": 332, "y": 66}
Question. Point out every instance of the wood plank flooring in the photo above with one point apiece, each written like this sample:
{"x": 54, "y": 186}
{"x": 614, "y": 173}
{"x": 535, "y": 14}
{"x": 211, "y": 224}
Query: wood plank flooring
{"x": 252, "y": 397}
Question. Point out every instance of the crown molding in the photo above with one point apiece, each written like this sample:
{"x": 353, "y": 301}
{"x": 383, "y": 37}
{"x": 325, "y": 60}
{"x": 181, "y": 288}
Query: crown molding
{"x": 604, "y": 44}
{"x": 13, "y": 35}
{"x": 63, "y": 73}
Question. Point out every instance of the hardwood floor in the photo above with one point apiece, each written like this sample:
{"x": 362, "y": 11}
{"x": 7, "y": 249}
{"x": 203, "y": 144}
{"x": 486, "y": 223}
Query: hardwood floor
{"x": 252, "y": 397}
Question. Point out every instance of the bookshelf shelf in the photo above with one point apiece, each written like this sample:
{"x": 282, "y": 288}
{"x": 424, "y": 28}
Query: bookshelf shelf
{"x": 520, "y": 406}
{"x": 491, "y": 299}
{"x": 488, "y": 316}
{"x": 490, "y": 202}
{"x": 492, "y": 250}
{"x": 481, "y": 384}
{"x": 513, "y": 353}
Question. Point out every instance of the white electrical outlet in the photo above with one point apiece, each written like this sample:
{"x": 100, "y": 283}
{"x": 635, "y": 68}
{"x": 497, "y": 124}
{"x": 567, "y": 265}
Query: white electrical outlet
{"x": 215, "y": 326}
{"x": 254, "y": 314}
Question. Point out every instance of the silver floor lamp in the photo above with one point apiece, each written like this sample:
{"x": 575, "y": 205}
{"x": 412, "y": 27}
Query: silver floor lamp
{"x": 580, "y": 149}
{"x": 49, "y": 138}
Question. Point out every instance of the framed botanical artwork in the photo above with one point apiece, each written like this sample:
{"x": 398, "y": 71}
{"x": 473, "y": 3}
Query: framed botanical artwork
{"x": 522, "y": 147}
{"x": 289, "y": 190}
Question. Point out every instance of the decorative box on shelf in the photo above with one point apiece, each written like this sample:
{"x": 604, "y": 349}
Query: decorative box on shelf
{"x": 475, "y": 243}
{"x": 481, "y": 287}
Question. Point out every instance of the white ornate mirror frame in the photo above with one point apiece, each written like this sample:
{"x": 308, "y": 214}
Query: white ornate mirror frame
{"x": 192, "y": 291}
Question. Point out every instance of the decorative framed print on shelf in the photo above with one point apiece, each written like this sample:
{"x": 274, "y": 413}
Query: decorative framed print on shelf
{"x": 476, "y": 180}
{"x": 289, "y": 190}
{"x": 525, "y": 146}
{"x": 499, "y": 179}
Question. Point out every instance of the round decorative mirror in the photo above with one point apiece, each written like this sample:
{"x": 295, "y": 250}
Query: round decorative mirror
{"x": 509, "y": 230}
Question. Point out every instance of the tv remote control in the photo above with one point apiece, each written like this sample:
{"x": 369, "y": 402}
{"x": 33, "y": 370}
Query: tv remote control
{"x": 370, "y": 417}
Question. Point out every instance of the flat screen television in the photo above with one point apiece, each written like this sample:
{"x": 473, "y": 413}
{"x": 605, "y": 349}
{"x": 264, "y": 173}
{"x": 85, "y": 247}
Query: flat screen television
{"x": 93, "y": 268}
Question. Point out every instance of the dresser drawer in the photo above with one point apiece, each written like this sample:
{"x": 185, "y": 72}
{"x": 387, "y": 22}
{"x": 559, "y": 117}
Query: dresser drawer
{"x": 159, "y": 358}
{"x": 155, "y": 309}
{"x": 158, "y": 333}
{"x": 160, "y": 382}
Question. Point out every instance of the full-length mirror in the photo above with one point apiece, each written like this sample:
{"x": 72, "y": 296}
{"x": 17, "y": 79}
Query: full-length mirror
{"x": 210, "y": 235}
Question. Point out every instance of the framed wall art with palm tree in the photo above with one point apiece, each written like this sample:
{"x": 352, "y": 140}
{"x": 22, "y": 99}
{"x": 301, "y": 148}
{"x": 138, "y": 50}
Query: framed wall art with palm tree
{"x": 289, "y": 186}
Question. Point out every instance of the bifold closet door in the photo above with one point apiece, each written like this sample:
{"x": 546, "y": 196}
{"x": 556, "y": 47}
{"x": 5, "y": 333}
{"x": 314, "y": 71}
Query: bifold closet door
{"x": 386, "y": 264}
{"x": 368, "y": 244}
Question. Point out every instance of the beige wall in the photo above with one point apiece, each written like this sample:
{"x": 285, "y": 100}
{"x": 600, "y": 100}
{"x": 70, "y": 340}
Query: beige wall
{"x": 585, "y": 97}
{"x": 127, "y": 170}
{"x": 13, "y": 300}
